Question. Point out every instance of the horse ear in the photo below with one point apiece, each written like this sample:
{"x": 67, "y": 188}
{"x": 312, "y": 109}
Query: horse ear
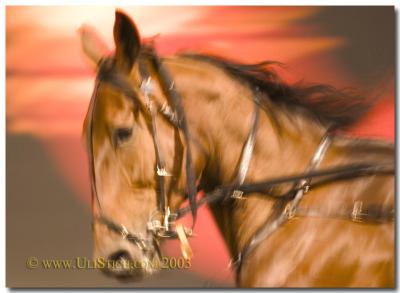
{"x": 127, "y": 41}
{"x": 92, "y": 45}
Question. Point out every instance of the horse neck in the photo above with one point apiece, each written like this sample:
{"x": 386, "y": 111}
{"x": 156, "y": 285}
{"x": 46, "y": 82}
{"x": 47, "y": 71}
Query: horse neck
{"x": 219, "y": 111}
{"x": 284, "y": 153}
{"x": 275, "y": 154}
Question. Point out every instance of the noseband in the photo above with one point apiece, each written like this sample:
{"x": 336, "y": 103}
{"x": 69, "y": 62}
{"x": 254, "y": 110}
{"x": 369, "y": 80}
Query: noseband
{"x": 175, "y": 115}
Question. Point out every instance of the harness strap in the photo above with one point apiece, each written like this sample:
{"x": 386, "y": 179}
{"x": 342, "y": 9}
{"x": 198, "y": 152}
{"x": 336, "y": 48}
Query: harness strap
{"x": 168, "y": 87}
{"x": 359, "y": 213}
{"x": 266, "y": 187}
{"x": 304, "y": 184}
{"x": 341, "y": 172}
{"x": 272, "y": 224}
{"x": 247, "y": 152}
{"x": 160, "y": 166}
{"x": 141, "y": 243}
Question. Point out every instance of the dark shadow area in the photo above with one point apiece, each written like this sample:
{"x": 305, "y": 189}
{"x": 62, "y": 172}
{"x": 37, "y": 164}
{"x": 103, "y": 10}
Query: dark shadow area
{"x": 370, "y": 35}
{"x": 45, "y": 220}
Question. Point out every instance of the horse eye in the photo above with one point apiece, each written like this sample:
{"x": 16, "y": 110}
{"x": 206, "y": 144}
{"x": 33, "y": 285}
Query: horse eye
{"x": 122, "y": 134}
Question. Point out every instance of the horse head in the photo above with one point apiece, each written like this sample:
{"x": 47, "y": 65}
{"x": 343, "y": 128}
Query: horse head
{"x": 136, "y": 156}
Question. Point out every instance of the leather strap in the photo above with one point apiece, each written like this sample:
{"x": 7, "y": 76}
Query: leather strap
{"x": 359, "y": 213}
{"x": 247, "y": 151}
{"x": 168, "y": 87}
{"x": 271, "y": 224}
{"x": 160, "y": 167}
{"x": 323, "y": 176}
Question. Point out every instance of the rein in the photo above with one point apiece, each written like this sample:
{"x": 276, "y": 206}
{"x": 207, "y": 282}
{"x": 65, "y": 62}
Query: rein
{"x": 267, "y": 187}
{"x": 175, "y": 114}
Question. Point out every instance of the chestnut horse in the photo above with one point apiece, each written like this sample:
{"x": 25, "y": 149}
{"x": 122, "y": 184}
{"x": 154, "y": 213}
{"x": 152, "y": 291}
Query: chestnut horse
{"x": 158, "y": 130}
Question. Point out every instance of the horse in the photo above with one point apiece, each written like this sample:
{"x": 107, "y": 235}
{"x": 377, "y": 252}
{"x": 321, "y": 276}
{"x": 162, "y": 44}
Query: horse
{"x": 298, "y": 202}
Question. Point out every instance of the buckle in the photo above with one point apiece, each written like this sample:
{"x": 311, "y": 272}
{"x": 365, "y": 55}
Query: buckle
{"x": 165, "y": 226}
{"x": 356, "y": 214}
{"x": 169, "y": 113}
{"x": 154, "y": 225}
{"x": 141, "y": 244}
{"x": 146, "y": 86}
{"x": 162, "y": 172}
{"x": 124, "y": 232}
{"x": 237, "y": 194}
{"x": 289, "y": 211}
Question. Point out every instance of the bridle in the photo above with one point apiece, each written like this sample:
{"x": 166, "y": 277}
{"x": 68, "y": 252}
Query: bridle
{"x": 174, "y": 113}
{"x": 164, "y": 228}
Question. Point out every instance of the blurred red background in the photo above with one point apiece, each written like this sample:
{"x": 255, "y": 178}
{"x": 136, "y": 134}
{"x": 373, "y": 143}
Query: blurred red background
{"x": 49, "y": 83}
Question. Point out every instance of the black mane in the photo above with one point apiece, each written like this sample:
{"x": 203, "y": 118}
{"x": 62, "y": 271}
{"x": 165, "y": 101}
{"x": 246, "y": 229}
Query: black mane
{"x": 328, "y": 105}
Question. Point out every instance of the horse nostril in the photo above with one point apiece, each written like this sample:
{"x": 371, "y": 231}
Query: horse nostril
{"x": 122, "y": 266}
{"x": 120, "y": 255}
